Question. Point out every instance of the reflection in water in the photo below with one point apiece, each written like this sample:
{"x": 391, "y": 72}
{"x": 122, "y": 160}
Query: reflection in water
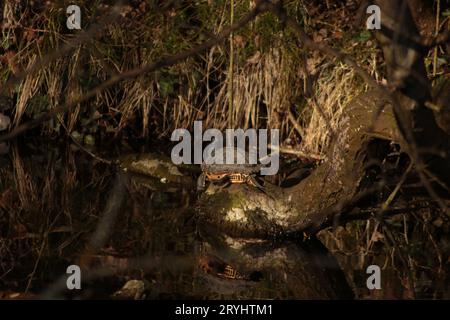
{"x": 60, "y": 206}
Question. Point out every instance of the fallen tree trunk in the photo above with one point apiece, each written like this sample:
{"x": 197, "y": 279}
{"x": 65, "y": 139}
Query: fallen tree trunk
{"x": 332, "y": 189}
{"x": 336, "y": 187}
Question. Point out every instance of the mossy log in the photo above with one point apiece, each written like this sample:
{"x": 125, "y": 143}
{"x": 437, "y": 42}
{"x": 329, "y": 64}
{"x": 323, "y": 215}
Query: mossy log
{"x": 247, "y": 212}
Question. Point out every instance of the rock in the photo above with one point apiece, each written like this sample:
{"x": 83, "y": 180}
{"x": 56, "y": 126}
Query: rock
{"x": 132, "y": 290}
{"x": 89, "y": 140}
{"x": 4, "y": 122}
{"x": 155, "y": 166}
{"x": 4, "y": 148}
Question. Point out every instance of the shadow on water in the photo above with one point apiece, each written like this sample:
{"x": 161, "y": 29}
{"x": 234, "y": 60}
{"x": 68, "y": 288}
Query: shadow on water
{"x": 60, "y": 206}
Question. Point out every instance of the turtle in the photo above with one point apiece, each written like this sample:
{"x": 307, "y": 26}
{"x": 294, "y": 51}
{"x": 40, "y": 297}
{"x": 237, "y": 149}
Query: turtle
{"x": 226, "y": 174}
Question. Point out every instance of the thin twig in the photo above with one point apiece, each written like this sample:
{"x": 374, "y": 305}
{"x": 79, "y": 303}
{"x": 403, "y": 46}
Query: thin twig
{"x": 299, "y": 153}
{"x": 296, "y": 125}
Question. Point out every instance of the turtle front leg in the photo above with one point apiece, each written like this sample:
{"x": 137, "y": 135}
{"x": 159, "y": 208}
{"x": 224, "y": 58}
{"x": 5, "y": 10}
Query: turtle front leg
{"x": 223, "y": 183}
{"x": 251, "y": 180}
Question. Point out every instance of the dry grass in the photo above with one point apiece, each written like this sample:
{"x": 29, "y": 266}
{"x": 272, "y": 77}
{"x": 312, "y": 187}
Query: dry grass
{"x": 335, "y": 88}
{"x": 267, "y": 85}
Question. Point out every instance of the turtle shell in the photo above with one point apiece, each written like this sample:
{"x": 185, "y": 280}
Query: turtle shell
{"x": 216, "y": 162}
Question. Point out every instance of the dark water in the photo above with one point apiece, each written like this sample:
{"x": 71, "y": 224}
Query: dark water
{"x": 62, "y": 206}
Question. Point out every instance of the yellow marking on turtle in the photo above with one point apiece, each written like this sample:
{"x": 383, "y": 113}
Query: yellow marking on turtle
{"x": 230, "y": 272}
{"x": 233, "y": 177}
